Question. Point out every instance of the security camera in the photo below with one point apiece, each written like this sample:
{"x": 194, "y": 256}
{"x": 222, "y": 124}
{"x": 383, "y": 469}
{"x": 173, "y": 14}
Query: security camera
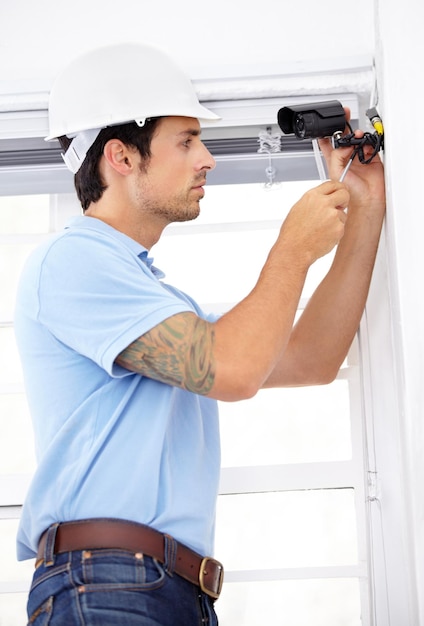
{"x": 319, "y": 119}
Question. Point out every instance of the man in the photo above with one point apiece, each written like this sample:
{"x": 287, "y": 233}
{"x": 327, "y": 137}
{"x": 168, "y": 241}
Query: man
{"x": 123, "y": 371}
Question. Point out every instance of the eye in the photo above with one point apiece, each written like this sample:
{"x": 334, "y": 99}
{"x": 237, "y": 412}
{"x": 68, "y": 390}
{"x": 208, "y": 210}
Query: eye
{"x": 187, "y": 142}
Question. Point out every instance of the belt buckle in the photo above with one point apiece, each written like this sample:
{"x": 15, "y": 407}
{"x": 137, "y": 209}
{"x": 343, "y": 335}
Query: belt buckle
{"x": 214, "y": 593}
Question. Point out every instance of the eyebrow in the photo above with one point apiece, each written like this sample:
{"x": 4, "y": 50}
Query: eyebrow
{"x": 193, "y": 132}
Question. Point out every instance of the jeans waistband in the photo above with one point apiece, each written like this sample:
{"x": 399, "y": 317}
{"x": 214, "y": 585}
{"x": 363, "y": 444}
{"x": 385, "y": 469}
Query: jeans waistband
{"x": 106, "y": 533}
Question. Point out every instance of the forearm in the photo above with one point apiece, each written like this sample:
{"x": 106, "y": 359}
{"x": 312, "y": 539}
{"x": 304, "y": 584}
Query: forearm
{"x": 250, "y": 337}
{"x": 230, "y": 359}
{"x": 322, "y": 337}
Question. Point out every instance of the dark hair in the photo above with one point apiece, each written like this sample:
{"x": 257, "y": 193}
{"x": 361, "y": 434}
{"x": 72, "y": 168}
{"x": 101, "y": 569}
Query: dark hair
{"x": 88, "y": 181}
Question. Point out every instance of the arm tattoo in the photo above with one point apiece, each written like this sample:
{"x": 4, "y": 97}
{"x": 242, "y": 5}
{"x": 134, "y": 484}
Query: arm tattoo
{"x": 178, "y": 352}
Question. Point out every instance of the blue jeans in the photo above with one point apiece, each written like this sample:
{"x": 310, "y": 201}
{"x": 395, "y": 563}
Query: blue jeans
{"x": 114, "y": 588}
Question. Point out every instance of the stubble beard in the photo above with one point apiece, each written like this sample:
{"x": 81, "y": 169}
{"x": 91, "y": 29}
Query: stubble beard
{"x": 173, "y": 211}
{"x": 182, "y": 207}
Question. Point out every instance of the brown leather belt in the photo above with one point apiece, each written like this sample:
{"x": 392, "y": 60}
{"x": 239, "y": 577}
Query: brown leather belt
{"x": 97, "y": 534}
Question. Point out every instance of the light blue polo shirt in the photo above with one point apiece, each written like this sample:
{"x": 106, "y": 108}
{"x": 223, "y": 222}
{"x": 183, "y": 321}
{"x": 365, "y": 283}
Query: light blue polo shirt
{"x": 109, "y": 443}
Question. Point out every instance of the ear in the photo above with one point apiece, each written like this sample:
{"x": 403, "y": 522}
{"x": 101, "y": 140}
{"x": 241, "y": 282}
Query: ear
{"x": 119, "y": 156}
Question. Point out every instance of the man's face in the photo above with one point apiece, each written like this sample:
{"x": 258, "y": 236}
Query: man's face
{"x": 170, "y": 186}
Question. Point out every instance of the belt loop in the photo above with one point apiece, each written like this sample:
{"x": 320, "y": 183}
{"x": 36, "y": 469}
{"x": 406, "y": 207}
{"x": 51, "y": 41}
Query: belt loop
{"x": 170, "y": 554}
{"x": 49, "y": 547}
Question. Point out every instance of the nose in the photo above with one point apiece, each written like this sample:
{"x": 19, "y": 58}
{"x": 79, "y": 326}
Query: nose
{"x": 207, "y": 161}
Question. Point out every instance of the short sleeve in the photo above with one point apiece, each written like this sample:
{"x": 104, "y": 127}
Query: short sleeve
{"x": 97, "y": 296}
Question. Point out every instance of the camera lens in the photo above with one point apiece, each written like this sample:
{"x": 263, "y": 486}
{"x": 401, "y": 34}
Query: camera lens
{"x": 306, "y": 125}
{"x": 299, "y": 125}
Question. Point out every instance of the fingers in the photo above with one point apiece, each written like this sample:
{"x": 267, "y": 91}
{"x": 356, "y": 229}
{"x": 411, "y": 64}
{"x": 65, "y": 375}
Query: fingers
{"x": 337, "y": 191}
{"x": 347, "y": 113}
{"x": 342, "y": 215}
{"x": 316, "y": 223}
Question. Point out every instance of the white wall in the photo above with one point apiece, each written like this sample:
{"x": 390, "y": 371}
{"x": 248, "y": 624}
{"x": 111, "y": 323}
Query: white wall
{"x": 399, "y": 51}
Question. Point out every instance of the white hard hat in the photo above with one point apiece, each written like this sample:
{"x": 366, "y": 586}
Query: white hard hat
{"x": 113, "y": 85}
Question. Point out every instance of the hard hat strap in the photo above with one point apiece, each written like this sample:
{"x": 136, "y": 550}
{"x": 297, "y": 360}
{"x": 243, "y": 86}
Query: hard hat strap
{"x": 78, "y": 148}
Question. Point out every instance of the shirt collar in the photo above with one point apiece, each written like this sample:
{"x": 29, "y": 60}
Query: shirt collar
{"x": 93, "y": 223}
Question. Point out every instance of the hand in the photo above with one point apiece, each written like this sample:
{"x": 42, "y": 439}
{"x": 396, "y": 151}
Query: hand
{"x": 364, "y": 181}
{"x": 315, "y": 223}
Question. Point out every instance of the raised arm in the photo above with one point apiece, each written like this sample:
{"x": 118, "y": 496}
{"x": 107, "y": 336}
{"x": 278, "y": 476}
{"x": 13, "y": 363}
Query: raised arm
{"x": 232, "y": 358}
{"x": 322, "y": 336}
